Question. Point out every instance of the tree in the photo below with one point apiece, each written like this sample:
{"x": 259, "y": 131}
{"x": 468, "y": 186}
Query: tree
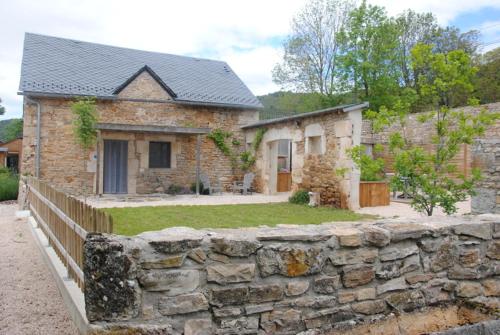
{"x": 487, "y": 82}
{"x": 426, "y": 176}
{"x": 412, "y": 28}
{"x": 2, "y": 108}
{"x": 447, "y": 39}
{"x": 84, "y": 126}
{"x": 369, "y": 40}
{"x": 312, "y": 50}
{"x": 13, "y": 130}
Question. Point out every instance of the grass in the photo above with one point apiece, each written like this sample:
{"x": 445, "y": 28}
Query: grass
{"x": 9, "y": 185}
{"x": 134, "y": 220}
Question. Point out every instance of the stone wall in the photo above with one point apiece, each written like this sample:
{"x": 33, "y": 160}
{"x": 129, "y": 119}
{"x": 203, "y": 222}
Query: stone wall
{"x": 486, "y": 156}
{"x": 290, "y": 279}
{"x": 316, "y": 172}
{"x": 62, "y": 158}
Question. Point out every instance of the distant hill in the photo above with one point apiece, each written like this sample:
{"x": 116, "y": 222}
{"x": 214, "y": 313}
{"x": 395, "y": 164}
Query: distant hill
{"x": 283, "y": 103}
{"x": 4, "y": 124}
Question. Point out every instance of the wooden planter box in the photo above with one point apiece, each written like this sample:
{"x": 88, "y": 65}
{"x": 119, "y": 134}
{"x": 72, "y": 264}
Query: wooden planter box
{"x": 374, "y": 193}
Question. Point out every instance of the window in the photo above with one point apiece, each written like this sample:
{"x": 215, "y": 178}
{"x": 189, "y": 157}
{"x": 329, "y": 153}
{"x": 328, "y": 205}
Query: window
{"x": 314, "y": 145}
{"x": 159, "y": 155}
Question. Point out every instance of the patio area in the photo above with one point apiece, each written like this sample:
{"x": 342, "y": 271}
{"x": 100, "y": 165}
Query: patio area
{"x": 120, "y": 201}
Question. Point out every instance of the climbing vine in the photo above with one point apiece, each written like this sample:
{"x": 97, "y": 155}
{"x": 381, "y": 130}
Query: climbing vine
{"x": 220, "y": 138}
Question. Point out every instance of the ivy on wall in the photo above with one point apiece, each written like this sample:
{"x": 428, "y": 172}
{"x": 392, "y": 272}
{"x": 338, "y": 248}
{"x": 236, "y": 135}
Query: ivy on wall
{"x": 220, "y": 138}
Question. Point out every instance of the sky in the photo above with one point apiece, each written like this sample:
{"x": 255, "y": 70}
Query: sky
{"x": 248, "y": 35}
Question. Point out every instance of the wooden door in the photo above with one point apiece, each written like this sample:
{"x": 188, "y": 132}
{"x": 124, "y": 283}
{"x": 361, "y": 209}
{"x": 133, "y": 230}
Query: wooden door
{"x": 115, "y": 166}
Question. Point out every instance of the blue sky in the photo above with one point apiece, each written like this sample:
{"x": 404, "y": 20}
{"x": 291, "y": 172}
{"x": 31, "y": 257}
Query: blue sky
{"x": 246, "y": 34}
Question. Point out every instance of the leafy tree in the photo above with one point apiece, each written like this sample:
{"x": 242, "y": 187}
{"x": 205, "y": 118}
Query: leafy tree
{"x": 371, "y": 169}
{"x": 447, "y": 39}
{"x": 426, "y": 176}
{"x": 369, "y": 41}
{"x": 312, "y": 50}
{"x": 2, "y": 108}
{"x": 487, "y": 82}
{"x": 13, "y": 130}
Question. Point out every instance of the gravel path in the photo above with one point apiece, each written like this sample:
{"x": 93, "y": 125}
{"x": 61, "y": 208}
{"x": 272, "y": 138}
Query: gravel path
{"x": 29, "y": 300}
{"x": 398, "y": 209}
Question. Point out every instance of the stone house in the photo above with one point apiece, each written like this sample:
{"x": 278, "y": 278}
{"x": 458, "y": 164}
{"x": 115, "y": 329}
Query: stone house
{"x": 154, "y": 112}
{"x": 10, "y": 152}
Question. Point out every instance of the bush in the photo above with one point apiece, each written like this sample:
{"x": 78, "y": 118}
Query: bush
{"x": 202, "y": 190}
{"x": 9, "y": 186}
{"x": 300, "y": 197}
{"x": 174, "y": 189}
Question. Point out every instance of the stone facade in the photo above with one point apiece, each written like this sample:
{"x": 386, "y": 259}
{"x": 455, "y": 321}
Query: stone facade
{"x": 315, "y": 171}
{"x": 64, "y": 164}
{"x": 290, "y": 280}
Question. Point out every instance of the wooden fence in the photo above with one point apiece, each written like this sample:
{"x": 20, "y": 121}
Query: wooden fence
{"x": 65, "y": 221}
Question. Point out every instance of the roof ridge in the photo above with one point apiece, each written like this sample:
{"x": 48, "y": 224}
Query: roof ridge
{"x": 125, "y": 48}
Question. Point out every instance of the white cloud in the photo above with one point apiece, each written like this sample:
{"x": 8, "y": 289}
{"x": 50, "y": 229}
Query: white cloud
{"x": 243, "y": 33}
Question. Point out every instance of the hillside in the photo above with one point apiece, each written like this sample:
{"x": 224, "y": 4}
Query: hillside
{"x": 4, "y": 125}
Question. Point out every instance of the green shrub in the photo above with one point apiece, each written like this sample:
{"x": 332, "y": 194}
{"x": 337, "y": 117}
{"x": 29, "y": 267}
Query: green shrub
{"x": 9, "y": 186}
{"x": 202, "y": 190}
{"x": 300, "y": 197}
{"x": 174, "y": 189}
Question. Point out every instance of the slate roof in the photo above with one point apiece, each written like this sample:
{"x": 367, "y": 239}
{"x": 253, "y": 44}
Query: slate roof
{"x": 341, "y": 108}
{"x": 59, "y": 66}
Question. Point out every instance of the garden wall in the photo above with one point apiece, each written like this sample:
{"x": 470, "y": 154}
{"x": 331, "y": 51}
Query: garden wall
{"x": 290, "y": 279}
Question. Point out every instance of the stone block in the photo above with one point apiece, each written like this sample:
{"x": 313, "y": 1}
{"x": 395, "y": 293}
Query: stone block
{"x": 404, "y": 231}
{"x": 342, "y": 128}
{"x": 235, "y": 247}
{"x": 406, "y": 301}
{"x": 198, "y": 327}
{"x": 173, "y": 240}
{"x": 230, "y": 273}
{"x": 493, "y": 251}
{"x": 345, "y": 257}
{"x": 257, "y": 309}
{"x": 286, "y": 321}
{"x": 197, "y": 255}
{"x": 414, "y": 278}
{"x": 301, "y": 234}
{"x": 369, "y": 307}
{"x": 240, "y": 325}
{"x": 392, "y": 285}
{"x": 469, "y": 289}
{"x": 228, "y": 296}
{"x": 470, "y": 258}
{"x": 357, "y": 275}
{"x": 296, "y": 288}
{"x": 219, "y": 258}
{"x": 164, "y": 263}
{"x": 290, "y": 261}
{"x": 388, "y": 270}
{"x": 491, "y": 287}
{"x": 327, "y": 284}
{"x": 481, "y": 230}
{"x": 265, "y": 293}
{"x": 377, "y": 236}
{"x": 397, "y": 251}
{"x": 348, "y": 237}
{"x": 172, "y": 282}
{"x": 226, "y": 312}
{"x": 183, "y": 304}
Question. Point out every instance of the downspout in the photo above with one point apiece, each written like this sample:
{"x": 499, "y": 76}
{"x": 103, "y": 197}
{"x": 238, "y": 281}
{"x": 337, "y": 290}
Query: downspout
{"x": 38, "y": 132}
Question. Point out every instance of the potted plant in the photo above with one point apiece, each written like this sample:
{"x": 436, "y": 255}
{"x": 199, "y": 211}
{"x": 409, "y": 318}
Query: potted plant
{"x": 374, "y": 189}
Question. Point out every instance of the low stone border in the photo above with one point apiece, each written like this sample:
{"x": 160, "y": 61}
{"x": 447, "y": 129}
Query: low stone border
{"x": 72, "y": 295}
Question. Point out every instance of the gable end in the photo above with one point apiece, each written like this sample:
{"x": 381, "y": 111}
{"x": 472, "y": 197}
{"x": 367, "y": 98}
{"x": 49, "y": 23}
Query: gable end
{"x": 145, "y": 74}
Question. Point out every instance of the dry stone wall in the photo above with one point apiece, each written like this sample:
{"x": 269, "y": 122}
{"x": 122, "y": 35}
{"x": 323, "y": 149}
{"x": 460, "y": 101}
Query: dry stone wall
{"x": 289, "y": 279}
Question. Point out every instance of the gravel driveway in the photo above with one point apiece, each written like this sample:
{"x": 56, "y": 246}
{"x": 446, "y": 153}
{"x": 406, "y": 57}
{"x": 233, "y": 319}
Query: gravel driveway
{"x": 29, "y": 300}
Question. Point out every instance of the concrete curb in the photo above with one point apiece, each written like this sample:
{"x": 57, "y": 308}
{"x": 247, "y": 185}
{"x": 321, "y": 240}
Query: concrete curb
{"x": 70, "y": 292}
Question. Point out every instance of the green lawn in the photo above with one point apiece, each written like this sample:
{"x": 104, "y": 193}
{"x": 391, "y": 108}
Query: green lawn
{"x": 132, "y": 221}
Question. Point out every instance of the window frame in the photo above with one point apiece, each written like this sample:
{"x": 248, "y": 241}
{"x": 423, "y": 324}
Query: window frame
{"x": 168, "y": 155}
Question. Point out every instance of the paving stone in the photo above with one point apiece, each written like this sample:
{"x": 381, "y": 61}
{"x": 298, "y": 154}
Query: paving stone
{"x": 265, "y": 293}
{"x": 327, "y": 284}
{"x": 377, "y": 236}
{"x": 235, "y": 247}
{"x": 230, "y": 273}
{"x": 290, "y": 261}
{"x": 183, "y": 304}
{"x": 397, "y": 251}
{"x": 296, "y": 288}
{"x": 369, "y": 307}
{"x": 171, "y": 282}
{"x": 392, "y": 285}
{"x": 482, "y": 230}
{"x": 357, "y": 275}
{"x": 345, "y": 257}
